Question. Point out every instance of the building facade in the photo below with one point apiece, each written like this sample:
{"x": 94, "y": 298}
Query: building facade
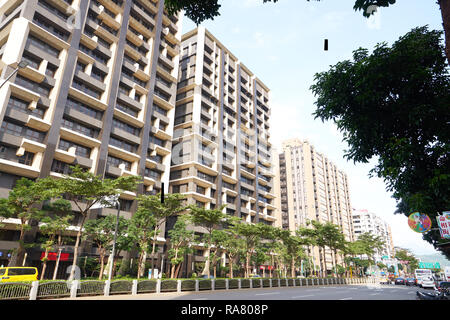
{"x": 368, "y": 222}
{"x": 221, "y": 151}
{"x": 99, "y": 91}
{"x": 312, "y": 188}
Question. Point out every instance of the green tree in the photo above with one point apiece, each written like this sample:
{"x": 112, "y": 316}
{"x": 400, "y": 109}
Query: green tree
{"x": 85, "y": 190}
{"x": 201, "y": 10}
{"x": 294, "y": 246}
{"x": 251, "y": 233}
{"x": 141, "y": 229}
{"x": 171, "y": 206}
{"x": 394, "y": 104}
{"x": 315, "y": 233}
{"x": 334, "y": 239}
{"x": 23, "y": 203}
{"x": 101, "y": 233}
{"x": 210, "y": 219}
{"x": 218, "y": 238}
{"x": 234, "y": 247}
{"x": 405, "y": 255}
{"x": 181, "y": 240}
{"x": 56, "y": 219}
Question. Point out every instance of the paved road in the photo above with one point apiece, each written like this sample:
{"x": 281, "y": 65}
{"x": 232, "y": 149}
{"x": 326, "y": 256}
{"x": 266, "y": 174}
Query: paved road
{"x": 342, "y": 292}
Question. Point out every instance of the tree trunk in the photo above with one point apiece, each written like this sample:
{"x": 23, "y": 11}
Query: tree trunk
{"x": 231, "y": 266}
{"x": 141, "y": 254}
{"x": 247, "y": 265}
{"x": 272, "y": 262}
{"x": 293, "y": 267}
{"x": 172, "y": 272}
{"x": 75, "y": 255}
{"x": 445, "y": 11}
{"x": 44, "y": 264}
{"x": 18, "y": 255}
{"x": 102, "y": 262}
{"x": 57, "y": 264}
{"x": 177, "y": 271}
{"x": 75, "y": 250}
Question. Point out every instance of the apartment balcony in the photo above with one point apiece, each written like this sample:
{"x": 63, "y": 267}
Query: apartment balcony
{"x": 71, "y": 135}
{"x": 140, "y": 27}
{"x": 111, "y": 5}
{"x": 107, "y": 19}
{"x": 89, "y": 100}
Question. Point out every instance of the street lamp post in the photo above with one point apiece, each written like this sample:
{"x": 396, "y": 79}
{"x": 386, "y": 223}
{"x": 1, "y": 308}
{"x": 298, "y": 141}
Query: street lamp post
{"x": 22, "y": 64}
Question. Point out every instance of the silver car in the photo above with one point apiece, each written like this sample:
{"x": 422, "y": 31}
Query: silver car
{"x": 428, "y": 282}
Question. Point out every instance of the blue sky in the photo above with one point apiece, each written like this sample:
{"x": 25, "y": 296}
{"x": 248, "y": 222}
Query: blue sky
{"x": 283, "y": 43}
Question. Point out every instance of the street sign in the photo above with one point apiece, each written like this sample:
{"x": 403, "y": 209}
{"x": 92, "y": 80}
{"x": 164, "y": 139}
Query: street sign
{"x": 443, "y": 222}
{"x": 429, "y": 265}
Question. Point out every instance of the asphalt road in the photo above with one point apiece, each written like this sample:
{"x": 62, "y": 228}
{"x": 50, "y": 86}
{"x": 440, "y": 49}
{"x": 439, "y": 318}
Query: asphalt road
{"x": 341, "y": 292}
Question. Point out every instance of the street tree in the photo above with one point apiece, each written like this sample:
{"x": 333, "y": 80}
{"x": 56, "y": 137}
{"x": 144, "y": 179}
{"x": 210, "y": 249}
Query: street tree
{"x": 218, "y": 239}
{"x": 394, "y": 105}
{"x": 181, "y": 240}
{"x": 85, "y": 190}
{"x": 294, "y": 246}
{"x": 314, "y": 232}
{"x": 56, "y": 220}
{"x": 251, "y": 233}
{"x": 101, "y": 233}
{"x": 234, "y": 247}
{"x": 23, "y": 203}
{"x": 334, "y": 239}
{"x": 210, "y": 219}
{"x": 141, "y": 227}
{"x": 172, "y": 206}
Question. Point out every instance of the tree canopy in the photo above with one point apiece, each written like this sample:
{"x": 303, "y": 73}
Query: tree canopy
{"x": 201, "y": 10}
{"x": 394, "y": 105}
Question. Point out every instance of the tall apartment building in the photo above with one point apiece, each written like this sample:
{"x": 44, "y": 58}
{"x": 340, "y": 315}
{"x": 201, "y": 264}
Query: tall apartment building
{"x": 312, "y": 188}
{"x": 221, "y": 151}
{"x": 365, "y": 221}
{"x": 99, "y": 91}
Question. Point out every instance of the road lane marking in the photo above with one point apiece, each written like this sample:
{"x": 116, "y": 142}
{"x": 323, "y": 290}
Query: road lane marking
{"x": 201, "y": 299}
{"x": 411, "y": 292}
{"x": 263, "y": 294}
{"x": 374, "y": 294}
{"x": 308, "y": 295}
{"x": 346, "y": 299}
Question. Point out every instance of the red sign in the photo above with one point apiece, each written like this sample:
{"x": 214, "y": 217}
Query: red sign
{"x": 270, "y": 268}
{"x": 52, "y": 256}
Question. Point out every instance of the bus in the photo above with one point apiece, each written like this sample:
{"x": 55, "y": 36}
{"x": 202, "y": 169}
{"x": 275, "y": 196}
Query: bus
{"x": 419, "y": 273}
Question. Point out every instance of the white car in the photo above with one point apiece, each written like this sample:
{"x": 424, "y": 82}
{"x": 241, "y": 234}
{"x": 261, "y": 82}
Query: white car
{"x": 427, "y": 282}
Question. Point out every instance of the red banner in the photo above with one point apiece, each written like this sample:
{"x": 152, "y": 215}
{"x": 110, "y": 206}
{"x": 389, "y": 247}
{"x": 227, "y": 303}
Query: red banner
{"x": 52, "y": 256}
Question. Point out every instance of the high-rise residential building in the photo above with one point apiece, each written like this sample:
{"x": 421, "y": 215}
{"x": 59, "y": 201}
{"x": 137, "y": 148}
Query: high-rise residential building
{"x": 368, "y": 222}
{"x": 221, "y": 152}
{"x": 312, "y": 188}
{"x": 99, "y": 91}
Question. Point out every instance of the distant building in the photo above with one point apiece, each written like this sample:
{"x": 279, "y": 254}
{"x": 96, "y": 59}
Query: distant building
{"x": 311, "y": 187}
{"x": 365, "y": 221}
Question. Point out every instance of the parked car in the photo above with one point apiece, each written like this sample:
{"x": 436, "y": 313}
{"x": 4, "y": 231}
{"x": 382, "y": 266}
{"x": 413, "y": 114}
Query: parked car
{"x": 206, "y": 277}
{"x": 399, "y": 281}
{"x": 255, "y": 276}
{"x": 428, "y": 282}
{"x": 18, "y": 274}
{"x": 410, "y": 282}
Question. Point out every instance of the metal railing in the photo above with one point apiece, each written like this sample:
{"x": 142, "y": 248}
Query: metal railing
{"x": 62, "y": 289}
{"x": 14, "y": 291}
